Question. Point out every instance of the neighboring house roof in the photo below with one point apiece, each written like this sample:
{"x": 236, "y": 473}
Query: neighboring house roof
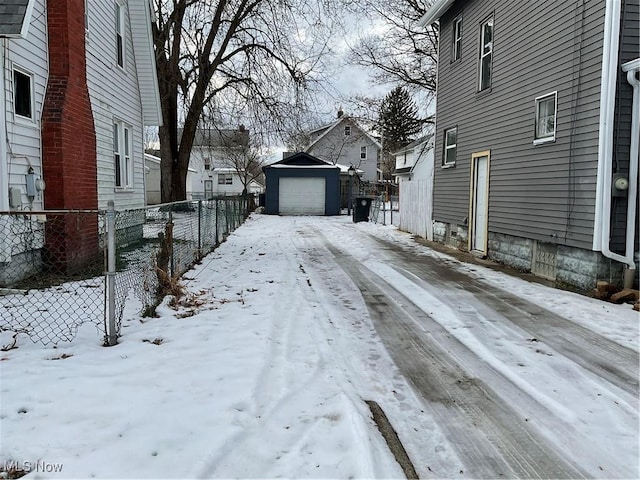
{"x": 413, "y": 144}
{"x": 153, "y": 159}
{"x": 435, "y": 12}
{"x": 15, "y": 17}
{"x": 214, "y": 137}
{"x": 340, "y": 120}
{"x": 140, "y": 17}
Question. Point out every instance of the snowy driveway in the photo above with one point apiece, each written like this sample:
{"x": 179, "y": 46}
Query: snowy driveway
{"x": 293, "y": 323}
{"x": 521, "y": 391}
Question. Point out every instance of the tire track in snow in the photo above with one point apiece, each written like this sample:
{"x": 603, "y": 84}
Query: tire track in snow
{"x": 490, "y": 437}
{"x": 616, "y": 363}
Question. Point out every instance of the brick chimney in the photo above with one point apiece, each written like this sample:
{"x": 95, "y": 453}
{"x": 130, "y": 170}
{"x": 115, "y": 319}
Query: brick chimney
{"x": 68, "y": 137}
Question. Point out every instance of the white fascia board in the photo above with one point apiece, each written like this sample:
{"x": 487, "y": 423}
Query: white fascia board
{"x": 140, "y": 12}
{"x": 435, "y": 12}
{"x": 27, "y": 19}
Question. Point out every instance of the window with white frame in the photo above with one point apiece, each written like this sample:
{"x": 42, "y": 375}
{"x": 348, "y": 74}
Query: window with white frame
{"x": 225, "y": 179}
{"x": 122, "y": 155}
{"x": 347, "y": 130}
{"x": 450, "y": 145}
{"x": 363, "y": 153}
{"x": 207, "y": 164}
{"x": 22, "y": 93}
{"x": 546, "y": 107}
{"x": 486, "y": 54}
{"x": 457, "y": 39}
{"x": 120, "y": 45}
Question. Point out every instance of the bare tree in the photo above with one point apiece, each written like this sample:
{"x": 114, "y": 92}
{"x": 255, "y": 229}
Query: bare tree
{"x": 262, "y": 55}
{"x": 246, "y": 161}
{"x": 400, "y": 53}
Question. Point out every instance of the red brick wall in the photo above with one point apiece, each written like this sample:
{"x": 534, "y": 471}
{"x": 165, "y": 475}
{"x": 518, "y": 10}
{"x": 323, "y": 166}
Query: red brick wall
{"x": 68, "y": 133}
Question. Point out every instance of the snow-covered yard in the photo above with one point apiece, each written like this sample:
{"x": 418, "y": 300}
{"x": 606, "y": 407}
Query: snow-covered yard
{"x": 262, "y": 370}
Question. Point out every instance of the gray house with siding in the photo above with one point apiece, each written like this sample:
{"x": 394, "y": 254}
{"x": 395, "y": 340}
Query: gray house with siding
{"x": 536, "y": 151}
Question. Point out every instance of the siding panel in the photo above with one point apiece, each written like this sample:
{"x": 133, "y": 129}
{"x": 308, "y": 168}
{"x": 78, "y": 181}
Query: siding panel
{"x": 534, "y": 189}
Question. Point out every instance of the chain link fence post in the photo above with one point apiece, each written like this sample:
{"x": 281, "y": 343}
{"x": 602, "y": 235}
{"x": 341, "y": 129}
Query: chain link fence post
{"x": 170, "y": 243}
{"x": 199, "y": 255}
{"x": 111, "y": 335}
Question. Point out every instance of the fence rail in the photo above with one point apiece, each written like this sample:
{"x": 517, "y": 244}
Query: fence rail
{"x": 65, "y": 268}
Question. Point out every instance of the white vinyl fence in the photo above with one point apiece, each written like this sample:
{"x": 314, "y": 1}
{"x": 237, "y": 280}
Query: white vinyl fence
{"x": 416, "y": 208}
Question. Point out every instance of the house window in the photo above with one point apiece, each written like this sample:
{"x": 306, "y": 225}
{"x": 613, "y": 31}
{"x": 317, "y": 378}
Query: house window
{"x": 363, "y": 153}
{"x": 207, "y": 164}
{"x": 457, "y": 39}
{"x": 486, "y": 54}
{"x": 450, "y": 145}
{"x": 122, "y": 155}
{"x": 225, "y": 179}
{"x": 347, "y": 130}
{"x": 22, "y": 94}
{"x": 546, "y": 118}
{"x": 120, "y": 34}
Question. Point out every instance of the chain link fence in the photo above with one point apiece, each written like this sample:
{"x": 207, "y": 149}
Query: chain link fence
{"x": 62, "y": 269}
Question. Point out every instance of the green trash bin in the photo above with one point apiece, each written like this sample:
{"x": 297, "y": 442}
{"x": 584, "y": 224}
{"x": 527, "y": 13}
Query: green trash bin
{"x": 361, "y": 208}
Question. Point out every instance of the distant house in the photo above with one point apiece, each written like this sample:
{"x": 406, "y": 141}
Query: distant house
{"x": 152, "y": 180}
{"x": 345, "y": 142}
{"x": 73, "y": 112}
{"x": 217, "y": 159}
{"x": 412, "y": 156}
{"x": 536, "y": 152}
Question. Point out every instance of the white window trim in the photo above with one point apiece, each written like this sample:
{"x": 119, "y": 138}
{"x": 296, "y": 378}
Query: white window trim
{"x": 126, "y": 161}
{"x": 550, "y": 138}
{"x": 446, "y": 147}
{"x": 457, "y": 40}
{"x": 228, "y": 179}
{"x": 121, "y": 23}
{"x": 483, "y": 54}
{"x": 347, "y": 130}
{"x": 363, "y": 151}
{"x": 21, "y": 118}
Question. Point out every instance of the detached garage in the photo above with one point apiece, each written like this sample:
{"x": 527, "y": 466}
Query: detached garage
{"x": 302, "y": 185}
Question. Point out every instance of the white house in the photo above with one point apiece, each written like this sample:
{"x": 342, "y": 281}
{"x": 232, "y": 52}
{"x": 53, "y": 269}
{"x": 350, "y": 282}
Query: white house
{"x": 218, "y": 162}
{"x": 123, "y": 87}
{"x": 346, "y": 142}
{"x": 77, "y": 86}
{"x": 152, "y": 180}
{"x": 412, "y": 161}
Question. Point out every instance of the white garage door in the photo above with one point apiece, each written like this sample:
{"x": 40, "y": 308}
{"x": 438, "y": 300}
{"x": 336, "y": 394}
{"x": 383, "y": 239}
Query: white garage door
{"x": 302, "y": 196}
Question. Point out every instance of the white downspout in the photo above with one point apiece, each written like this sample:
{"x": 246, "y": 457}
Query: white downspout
{"x": 602, "y": 221}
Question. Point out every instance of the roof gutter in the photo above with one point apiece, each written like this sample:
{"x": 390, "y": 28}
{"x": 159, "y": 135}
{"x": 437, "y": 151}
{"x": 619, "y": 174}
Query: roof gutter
{"x": 435, "y": 12}
{"x": 602, "y": 219}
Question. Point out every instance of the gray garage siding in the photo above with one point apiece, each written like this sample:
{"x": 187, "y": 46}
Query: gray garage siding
{"x": 542, "y": 192}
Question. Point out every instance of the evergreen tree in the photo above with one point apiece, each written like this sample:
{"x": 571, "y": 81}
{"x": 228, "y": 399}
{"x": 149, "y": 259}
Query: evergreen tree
{"x": 398, "y": 119}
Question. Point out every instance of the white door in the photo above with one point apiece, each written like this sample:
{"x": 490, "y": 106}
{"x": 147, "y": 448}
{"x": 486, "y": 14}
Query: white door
{"x": 479, "y": 201}
{"x": 302, "y": 196}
